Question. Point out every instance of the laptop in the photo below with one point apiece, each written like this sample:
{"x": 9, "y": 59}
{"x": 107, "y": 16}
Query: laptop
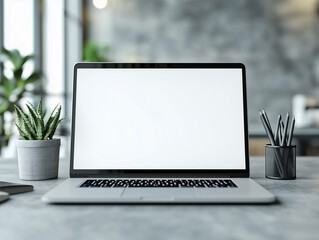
{"x": 159, "y": 133}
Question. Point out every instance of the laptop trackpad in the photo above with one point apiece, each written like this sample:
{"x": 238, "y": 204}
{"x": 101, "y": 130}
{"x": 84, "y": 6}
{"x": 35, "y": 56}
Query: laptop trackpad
{"x": 158, "y": 193}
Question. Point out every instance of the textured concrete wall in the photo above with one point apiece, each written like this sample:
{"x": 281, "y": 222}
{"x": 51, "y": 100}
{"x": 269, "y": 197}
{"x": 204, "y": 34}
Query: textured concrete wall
{"x": 276, "y": 39}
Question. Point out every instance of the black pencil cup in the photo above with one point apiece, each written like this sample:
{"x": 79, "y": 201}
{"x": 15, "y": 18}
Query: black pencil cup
{"x": 280, "y": 162}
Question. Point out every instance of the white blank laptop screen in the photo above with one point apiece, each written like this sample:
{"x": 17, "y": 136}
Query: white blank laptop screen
{"x": 159, "y": 119}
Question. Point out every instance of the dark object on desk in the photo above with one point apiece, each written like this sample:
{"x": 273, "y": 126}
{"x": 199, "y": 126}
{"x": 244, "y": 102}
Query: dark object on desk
{"x": 280, "y": 162}
{"x": 280, "y": 155}
{"x": 13, "y": 188}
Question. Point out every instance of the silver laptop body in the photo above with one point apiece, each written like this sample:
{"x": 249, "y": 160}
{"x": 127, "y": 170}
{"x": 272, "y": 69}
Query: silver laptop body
{"x": 159, "y": 133}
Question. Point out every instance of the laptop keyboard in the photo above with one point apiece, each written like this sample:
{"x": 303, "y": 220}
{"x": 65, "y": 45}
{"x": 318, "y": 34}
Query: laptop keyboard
{"x": 167, "y": 183}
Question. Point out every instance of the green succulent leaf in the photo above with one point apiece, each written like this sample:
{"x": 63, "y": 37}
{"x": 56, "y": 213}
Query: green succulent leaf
{"x": 35, "y": 120}
{"x": 47, "y": 125}
{"x": 32, "y": 109}
{"x": 39, "y": 108}
{"x": 23, "y": 135}
{"x": 53, "y": 124}
{"x": 19, "y": 116}
{"x": 41, "y": 117}
{"x": 28, "y": 128}
{"x": 54, "y": 128}
{"x": 44, "y": 113}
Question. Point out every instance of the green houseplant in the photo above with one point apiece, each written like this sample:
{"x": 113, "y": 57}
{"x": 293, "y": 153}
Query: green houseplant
{"x": 92, "y": 52}
{"x": 38, "y": 151}
{"x": 14, "y": 84}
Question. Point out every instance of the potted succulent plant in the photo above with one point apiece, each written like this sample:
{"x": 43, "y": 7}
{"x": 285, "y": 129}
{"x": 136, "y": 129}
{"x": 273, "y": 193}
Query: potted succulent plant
{"x": 38, "y": 151}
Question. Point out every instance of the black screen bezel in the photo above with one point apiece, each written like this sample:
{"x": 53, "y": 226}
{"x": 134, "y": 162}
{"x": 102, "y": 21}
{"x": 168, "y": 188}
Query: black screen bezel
{"x": 157, "y": 172}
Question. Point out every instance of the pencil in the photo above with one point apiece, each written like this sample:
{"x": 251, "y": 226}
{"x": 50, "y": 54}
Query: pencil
{"x": 280, "y": 132}
{"x": 268, "y": 131}
{"x": 266, "y": 118}
{"x": 291, "y": 132}
{"x": 284, "y": 140}
{"x": 277, "y": 129}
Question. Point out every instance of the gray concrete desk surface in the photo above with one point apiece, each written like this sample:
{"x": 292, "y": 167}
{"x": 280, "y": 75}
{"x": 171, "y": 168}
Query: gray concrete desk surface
{"x": 296, "y": 216}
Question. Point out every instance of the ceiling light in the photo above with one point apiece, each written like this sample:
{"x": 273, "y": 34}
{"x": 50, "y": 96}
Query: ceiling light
{"x": 100, "y": 4}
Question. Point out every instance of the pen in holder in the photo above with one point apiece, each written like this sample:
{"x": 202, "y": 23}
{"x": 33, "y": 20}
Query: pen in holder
{"x": 280, "y": 155}
{"x": 280, "y": 162}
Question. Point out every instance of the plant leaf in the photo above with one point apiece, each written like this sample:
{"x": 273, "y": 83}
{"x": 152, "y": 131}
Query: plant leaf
{"x": 47, "y": 125}
{"x": 30, "y": 106}
{"x": 16, "y": 58}
{"x": 26, "y": 58}
{"x": 5, "y": 55}
{"x": 26, "y": 123}
{"x": 55, "y": 127}
{"x": 20, "y": 120}
{"x": 4, "y": 106}
{"x": 51, "y": 130}
{"x": 39, "y": 109}
{"x": 17, "y": 73}
{"x": 44, "y": 113}
{"x": 17, "y": 91}
{"x": 8, "y": 86}
{"x": 34, "y": 77}
{"x": 41, "y": 118}
{"x": 22, "y": 133}
{"x": 35, "y": 121}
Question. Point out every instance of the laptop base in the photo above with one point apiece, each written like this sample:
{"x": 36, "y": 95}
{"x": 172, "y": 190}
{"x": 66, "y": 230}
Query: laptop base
{"x": 248, "y": 191}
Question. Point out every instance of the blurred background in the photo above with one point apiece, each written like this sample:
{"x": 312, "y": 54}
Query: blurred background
{"x": 277, "y": 40}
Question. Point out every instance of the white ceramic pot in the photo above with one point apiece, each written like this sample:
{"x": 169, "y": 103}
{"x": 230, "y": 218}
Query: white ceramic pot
{"x": 38, "y": 159}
